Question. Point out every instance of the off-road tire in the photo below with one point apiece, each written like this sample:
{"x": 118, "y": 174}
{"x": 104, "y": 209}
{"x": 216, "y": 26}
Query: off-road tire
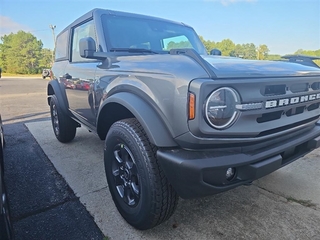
{"x": 133, "y": 171}
{"x": 6, "y": 231}
{"x": 64, "y": 127}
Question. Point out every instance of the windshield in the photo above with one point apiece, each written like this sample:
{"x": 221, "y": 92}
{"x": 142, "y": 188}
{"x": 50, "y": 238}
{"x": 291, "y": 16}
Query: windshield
{"x": 143, "y": 33}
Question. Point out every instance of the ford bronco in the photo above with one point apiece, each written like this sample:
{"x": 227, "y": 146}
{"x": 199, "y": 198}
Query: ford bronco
{"x": 175, "y": 120}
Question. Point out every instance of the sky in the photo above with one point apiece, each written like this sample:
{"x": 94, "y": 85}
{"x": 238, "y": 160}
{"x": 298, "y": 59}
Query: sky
{"x": 285, "y": 26}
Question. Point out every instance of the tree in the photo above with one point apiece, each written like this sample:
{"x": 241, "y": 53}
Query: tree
{"x": 308, "y": 52}
{"x": 315, "y": 53}
{"x": 20, "y": 52}
{"x": 46, "y": 58}
{"x": 274, "y": 57}
{"x": 238, "y": 51}
{"x": 181, "y": 44}
{"x": 262, "y": 52}
{"x": 226, "y": 47}
{"x": 246, "y": 51}
{"x": 209, "y": 45}
{"x": 300, "y": 51}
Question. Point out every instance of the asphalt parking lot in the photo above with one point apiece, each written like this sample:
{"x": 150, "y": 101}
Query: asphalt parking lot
{"x": 42, "y": 204}
{"x": 59, "y": 191}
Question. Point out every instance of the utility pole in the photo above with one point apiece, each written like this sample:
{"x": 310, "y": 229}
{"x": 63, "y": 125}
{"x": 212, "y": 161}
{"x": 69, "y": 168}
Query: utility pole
{"x": 54, "y": 41}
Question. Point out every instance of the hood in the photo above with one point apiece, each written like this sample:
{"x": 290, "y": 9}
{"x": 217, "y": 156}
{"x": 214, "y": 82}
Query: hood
{"x": 230, "y": 67}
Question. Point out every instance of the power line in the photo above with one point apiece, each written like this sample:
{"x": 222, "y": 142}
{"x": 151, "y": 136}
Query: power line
{"x": 41, "y": 30}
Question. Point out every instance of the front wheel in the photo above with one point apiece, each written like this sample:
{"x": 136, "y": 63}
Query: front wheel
{"x": 63, "y": 126}
{"x": 6, "y": 231}
{"x": 139, "y": 188}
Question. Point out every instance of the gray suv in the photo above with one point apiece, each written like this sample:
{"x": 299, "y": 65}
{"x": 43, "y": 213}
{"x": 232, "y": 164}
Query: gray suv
{"x": 175, "y": 120}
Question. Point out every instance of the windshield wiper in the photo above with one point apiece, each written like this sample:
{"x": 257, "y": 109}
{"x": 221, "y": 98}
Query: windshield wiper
{"x": 133, "y": 50}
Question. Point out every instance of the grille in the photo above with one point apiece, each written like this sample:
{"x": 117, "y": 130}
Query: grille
{"x": 286, "y": 104}
{"x": 272, "y": 90}
{"x": 281, "y": 89}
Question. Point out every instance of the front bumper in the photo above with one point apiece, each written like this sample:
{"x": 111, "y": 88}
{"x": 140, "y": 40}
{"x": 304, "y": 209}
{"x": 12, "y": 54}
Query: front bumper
{"x": 203, "y": 172}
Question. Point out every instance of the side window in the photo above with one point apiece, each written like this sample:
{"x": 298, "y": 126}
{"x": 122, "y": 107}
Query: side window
{"x": 82, "y": 31}
{"x": 61, "y": 45}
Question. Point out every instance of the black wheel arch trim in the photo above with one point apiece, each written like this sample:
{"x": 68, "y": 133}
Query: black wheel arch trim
{"x": 54, "y": 88}
{"x": 154, "y": 126}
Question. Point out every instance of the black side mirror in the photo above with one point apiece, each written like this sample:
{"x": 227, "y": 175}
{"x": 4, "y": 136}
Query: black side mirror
{"x": 215, "y": 51}
{"x": 87, "y": 47}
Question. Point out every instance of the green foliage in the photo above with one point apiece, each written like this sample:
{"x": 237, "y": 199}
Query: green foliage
{"x": 209, "y": 45}
{"x": 181, "y": 44}
{"x": 274, "y": 57}
{"x": 226, "y": 47}
{"x": 262, "y": 52}
{"x": 245, "y": 51}
{"x": 250, "y": 51}
{"x": 46, "y": 59}
{"x": 315, "y": 53}
{"x": 229, "y": 48}
{"x": 308, "y": 52}
{"x": 22, "y": 53}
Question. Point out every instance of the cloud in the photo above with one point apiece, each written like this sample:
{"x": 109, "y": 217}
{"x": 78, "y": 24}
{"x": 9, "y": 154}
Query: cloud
{"x": 228, "y": 2}
{"x": 7, "y": 26}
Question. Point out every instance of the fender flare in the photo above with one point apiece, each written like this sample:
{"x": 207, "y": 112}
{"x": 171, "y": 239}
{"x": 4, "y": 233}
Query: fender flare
{"x": 151, "y": 121}
{"x": 54, "y": 88}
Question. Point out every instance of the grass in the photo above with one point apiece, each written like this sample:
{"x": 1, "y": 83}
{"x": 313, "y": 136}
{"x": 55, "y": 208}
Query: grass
{"x": 306, "y": 203}
{"x": 20, "y": 75}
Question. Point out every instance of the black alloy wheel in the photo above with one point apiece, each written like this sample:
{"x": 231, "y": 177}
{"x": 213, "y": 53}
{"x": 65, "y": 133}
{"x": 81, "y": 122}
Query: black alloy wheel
{"x": 125, "y": 175}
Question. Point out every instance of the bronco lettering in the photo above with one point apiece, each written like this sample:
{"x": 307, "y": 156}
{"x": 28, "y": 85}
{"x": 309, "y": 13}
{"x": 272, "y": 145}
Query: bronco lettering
{"x": 290, "y": 101}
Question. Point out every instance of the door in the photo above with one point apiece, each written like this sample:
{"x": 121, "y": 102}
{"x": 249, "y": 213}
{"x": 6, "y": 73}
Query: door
{"x": 79, "y": 76}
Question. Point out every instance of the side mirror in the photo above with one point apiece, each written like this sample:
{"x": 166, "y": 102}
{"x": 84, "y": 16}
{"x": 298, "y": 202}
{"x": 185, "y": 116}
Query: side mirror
{"x": 87, "y": 47}
{"x": 215, "y": 51}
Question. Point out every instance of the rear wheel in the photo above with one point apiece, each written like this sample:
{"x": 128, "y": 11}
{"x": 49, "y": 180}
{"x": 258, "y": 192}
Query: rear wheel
{"x": 63, "y": 126}
{"x": 138, "y": 186}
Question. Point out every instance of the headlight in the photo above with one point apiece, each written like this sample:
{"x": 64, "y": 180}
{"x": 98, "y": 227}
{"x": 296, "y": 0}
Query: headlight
{"x": 220, "y": 108}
